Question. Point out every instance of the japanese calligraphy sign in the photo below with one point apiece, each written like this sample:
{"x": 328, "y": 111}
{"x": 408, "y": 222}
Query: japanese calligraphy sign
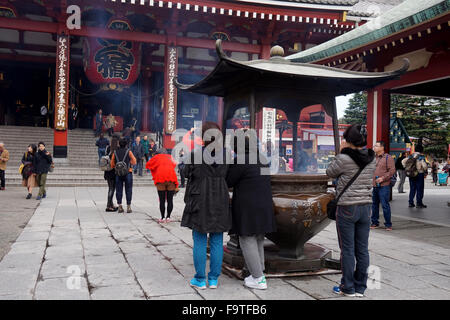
{"x": 170, "y": 91}
{"x": 268, "y": 125}
{"x": 62, "y": 82}
{"x": 112, "y": 61}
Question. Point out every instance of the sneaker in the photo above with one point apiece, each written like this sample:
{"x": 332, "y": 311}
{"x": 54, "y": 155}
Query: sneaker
{"x": 374, "y": 226}
{"x": 29, "y": 196}
{"x": 168, "y": 220}
{"x": 388, "y": 228}
{"x": 256, "y": 283}
{"x": 120, "y": 208}
{"x": 411, "y": 205}
{"x": 421, "y": 206}
{"x": 212, "y": 284}
{"x": 198, "y": 284}
{"x": 161, "y": 220}
{"x": 337, "y": 290}
{"x": 359, "y": 295}
{"x": 38, "y": 198}
{"x": 129, "y": 209}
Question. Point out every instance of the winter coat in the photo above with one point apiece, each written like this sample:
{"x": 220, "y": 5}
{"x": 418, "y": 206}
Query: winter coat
{"x": 421, "y": 163}
{"x": 162, "y": 168}
{"x": 111, "y": 174}
{"x": 27, "y": 161}
{"x": 152, "y": 150}
{"x": 345, "y": 166}
{"x": 138, "y": 151}
{"x": 5, "y": 155}
{"x": 102, "y": 143}
{"x": 252, "y": 207}
{"x": 207, "y": 200}
{"x": 146, "y": 146}
{"x": 42, "y": 162}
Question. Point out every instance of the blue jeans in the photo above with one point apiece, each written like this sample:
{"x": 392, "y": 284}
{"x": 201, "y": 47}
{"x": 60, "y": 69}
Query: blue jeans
{"x": 381, "y": 194}
{"x": 101, "y": 153}
{"x": 138, "y": 167}
{"x": 353, "y": 226}
{"x": 128, "y": 181}
{"x": 216, "y": 255}
{"x": 416, "y": 188}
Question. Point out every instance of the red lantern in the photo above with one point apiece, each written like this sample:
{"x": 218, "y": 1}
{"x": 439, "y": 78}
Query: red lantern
{"x": 112, "y": 61}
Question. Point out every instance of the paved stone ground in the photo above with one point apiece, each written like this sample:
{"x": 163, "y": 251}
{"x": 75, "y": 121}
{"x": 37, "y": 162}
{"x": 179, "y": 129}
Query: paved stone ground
{"x": 131, "y": 256}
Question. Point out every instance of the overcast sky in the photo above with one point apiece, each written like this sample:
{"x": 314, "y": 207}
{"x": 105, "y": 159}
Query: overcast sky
{"x": 342, "y": 104}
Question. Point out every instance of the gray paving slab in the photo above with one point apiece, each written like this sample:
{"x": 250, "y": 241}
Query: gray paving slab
{"x": 62, "y": 289}
{"x": 118, "y": 292}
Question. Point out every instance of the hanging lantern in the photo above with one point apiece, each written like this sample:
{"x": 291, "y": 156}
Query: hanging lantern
{"x": 109, "y": 61}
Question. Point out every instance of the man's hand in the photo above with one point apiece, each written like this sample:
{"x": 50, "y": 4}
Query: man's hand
{"x": 379, "y": 180}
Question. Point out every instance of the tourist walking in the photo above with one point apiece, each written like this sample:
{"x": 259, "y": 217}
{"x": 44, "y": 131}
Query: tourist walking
{"x": 98, "y": 122}
{"x": 73, "y": 114}
{"x": 28, "y": 177}
{"x": 435, "y": 170}
{"x": 110, "y": 175}
{"x": 162, "y": 167}
{"x": 206, "y": 212}
{"x": 385, "y": 169}
{"x": 353, "y": 209}
{"x": 139, "y": 154}
{"x": 110, "y": 124}
{"x": 252, "y": 212}
{"x": 4, "y": 158}
{"x": 146, "y": 145}
{"x": 401, "y": 172}
{"x": 152, "y": 148}
{"x": 122, "y": 160}
{"x": 181, "y": 165}
{"x": 101, "y": 143}
{"x": 416, "y": 169}
{"x": 42, "y": 162}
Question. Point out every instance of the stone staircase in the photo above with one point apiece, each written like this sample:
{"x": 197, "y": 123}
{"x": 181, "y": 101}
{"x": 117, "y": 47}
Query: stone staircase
{"x": 79, "y": 169}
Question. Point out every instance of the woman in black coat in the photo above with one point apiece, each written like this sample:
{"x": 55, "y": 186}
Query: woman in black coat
{"x": 252, "y": 211}
{"x": 206, "y": 212}
{"x": 110, "y": 176}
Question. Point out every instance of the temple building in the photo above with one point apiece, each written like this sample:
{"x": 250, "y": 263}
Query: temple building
{"x": 122, "y": 55}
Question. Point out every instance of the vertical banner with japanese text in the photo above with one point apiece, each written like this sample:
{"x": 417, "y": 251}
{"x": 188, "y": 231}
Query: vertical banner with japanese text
{"x": 62, "y": 82}
{"x": 170, "y": 91}
{"x": 268, "y": 125}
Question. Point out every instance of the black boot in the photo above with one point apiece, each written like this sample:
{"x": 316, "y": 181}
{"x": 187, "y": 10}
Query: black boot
{"x": 29, "y": 196}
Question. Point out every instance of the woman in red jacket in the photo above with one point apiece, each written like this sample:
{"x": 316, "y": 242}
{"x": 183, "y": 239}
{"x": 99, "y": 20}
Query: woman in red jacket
{"x": 162, "y": 167}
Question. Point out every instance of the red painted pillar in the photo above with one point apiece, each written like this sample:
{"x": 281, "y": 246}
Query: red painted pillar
{"x": 61, "y": 96}
{"x": 170, "y": 93}
{"x": 146, "y": 102}
{"x": 378, "y": 117}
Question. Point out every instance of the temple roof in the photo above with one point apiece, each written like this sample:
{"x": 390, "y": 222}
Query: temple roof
{"x": 278, "y": 72}
{"x": 404, "y": 16}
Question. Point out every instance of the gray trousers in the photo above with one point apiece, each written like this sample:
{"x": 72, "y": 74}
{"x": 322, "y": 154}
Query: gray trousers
{"x": 253, "y": 252}
{"x": 402, "y": 177}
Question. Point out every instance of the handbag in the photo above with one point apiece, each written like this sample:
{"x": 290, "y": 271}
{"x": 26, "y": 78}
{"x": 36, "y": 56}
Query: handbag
{"x": 21, "y": 168}
{"x": 332, "y": 205}
{"x": 393, "y": 179}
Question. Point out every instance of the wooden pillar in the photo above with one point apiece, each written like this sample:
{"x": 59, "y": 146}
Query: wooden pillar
{"x": 146, "y": 101}
{"x": 61, "y": 95}
{"x": 378, "y": 117}
{"x": 337, "y": 142}
{"x": 294, "y": 142}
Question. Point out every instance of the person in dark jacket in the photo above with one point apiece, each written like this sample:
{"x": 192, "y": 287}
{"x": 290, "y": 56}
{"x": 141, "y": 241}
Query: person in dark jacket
{"x": 98, "y": 122}
{"x": 139, "y": 154}
{"x": 206, "y": 212}
{"x": 28, "y": 177}
{"x": 41, "y": 164}
{"x": 353, "y": 209}
{"x": 110, "y": 176}
{"x": 152, "y": 148}
{"x": 401, "y": 172}
{"x": 101, "y": 143}
{"x": 118, "y": 156}
{"x": 252, "y": 211}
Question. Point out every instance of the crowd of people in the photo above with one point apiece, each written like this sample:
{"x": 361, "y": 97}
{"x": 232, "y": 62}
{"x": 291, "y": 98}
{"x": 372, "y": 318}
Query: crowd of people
{"x": 364, "y": 179}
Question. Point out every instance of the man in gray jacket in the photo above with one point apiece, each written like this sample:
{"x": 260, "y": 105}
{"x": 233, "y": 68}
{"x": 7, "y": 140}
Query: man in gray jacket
{"x": 353, "y": 209}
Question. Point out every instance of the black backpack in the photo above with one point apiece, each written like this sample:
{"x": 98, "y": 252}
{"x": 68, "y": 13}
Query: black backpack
{"x": 122, "y": 168}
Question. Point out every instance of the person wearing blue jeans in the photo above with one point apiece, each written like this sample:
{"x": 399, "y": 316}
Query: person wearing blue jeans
{"x": 353, "y": 227}
{"x": 381, "y": 195}
{"x": 216, "y": 255}
{"x": 128, "y": 182}
{"x": 207, "y": 211}
{"x": 353, "y": 209}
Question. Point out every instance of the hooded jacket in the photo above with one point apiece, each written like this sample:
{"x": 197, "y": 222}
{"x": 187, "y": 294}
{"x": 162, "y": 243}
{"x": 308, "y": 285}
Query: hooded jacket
{"x": 345, "y": 166}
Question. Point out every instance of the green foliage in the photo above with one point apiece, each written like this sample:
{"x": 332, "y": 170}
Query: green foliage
{"x": 427, "y": 119}
{"x": 356, "y": 113}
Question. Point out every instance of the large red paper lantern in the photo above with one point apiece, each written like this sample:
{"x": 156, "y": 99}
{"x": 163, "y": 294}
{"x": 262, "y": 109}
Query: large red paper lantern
{"x": 112, "y": 61}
